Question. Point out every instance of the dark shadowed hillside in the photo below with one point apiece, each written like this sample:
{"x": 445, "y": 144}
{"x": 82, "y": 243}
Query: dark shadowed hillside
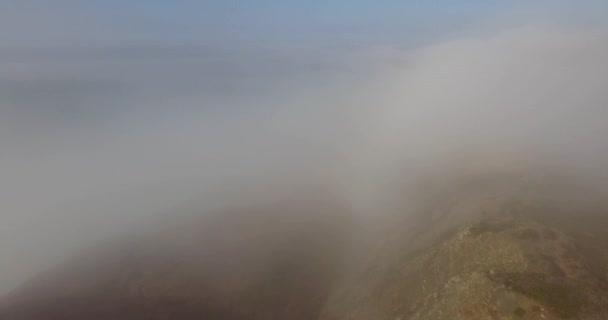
{"x": 264, "y": 263}
{"x": 486, "y": 246}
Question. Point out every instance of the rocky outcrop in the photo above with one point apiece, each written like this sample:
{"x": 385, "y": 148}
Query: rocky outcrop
{"x": 505, "y": 249}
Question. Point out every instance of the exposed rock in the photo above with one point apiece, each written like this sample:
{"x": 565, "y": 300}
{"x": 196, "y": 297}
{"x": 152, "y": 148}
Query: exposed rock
{"x": 491, "y": 252}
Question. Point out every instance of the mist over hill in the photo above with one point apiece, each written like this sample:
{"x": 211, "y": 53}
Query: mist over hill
{"x": 461, "y": 178}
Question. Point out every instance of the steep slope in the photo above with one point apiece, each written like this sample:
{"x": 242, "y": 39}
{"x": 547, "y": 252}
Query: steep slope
{"x": 489, "y": 246}
{"x": 502, "y": 270}
{"x": 494, "y": 269}
{"x": 484, "y": 246}
{"x": 265, "y": 263}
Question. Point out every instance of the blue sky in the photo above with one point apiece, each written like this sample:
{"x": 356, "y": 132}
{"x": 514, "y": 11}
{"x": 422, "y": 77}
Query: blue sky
{"x": 42, "y": 23}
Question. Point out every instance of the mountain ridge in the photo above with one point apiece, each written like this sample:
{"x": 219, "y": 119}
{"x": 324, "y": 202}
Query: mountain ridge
{"x": 480, "y": 247}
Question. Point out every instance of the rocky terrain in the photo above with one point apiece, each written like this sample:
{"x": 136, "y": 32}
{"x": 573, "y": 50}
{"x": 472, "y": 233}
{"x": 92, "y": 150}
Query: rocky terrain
{"x": 478, "y": 247}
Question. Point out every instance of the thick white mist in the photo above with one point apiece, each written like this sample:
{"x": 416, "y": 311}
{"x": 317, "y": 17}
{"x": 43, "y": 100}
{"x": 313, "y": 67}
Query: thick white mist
{"x": 151, "y": 146}
{"x": 519, "y": 95}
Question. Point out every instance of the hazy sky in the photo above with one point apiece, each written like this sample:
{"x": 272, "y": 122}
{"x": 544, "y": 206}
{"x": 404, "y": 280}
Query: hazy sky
{"x": 41, "y": 23}
{"x": 114, "y": 111}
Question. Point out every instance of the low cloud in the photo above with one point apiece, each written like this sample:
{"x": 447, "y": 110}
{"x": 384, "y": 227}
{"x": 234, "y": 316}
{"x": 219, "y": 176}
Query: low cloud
{"x": 90, "y": 149}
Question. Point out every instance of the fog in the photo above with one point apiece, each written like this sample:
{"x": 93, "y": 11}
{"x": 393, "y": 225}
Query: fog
{"x": 97, "y": 145}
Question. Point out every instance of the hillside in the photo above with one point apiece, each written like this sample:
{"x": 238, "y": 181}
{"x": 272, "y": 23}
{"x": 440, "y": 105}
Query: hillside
{"x": 480, "y": 247}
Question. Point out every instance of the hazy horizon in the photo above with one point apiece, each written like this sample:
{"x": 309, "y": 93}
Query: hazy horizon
{"x": 116, "y": 115}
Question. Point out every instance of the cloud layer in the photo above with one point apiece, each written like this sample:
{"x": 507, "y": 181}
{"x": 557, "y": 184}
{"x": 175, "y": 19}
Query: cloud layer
{"x": 93, "y": 148}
